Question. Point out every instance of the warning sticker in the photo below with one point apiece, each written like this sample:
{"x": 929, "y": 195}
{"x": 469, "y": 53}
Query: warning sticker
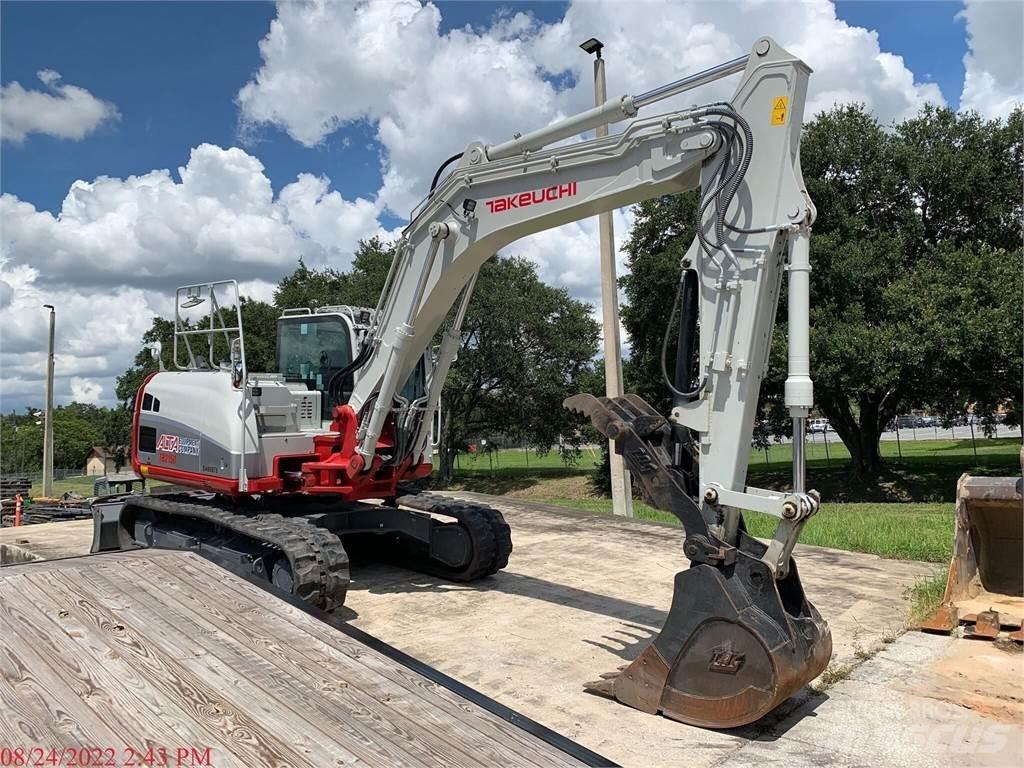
{"x": 779, "y": 108}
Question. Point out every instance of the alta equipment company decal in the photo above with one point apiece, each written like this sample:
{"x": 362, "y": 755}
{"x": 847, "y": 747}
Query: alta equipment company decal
{"x": 187, "y": 446}
{"x": 525, "y": 199}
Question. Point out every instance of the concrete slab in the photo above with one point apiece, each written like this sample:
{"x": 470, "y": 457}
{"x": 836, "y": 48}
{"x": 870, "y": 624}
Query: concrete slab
{"x": 904, "y": 708}
{"x": 582, "y": 595}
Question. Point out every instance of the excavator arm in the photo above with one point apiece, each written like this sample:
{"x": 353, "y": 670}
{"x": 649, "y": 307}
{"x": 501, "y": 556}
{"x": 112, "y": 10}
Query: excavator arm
{"x": 740, "y": 636}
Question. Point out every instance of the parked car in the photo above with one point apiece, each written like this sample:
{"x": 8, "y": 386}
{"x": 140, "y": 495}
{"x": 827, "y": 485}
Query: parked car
{"x": 818, "y": 425}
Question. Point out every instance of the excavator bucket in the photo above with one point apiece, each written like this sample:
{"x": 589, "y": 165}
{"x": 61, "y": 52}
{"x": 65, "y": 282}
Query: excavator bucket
{"x": 985, "y": 585}
{"x": 737, "y": 642}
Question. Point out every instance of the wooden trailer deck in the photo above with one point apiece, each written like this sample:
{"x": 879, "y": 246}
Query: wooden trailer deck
{"x": 165, "y": 655}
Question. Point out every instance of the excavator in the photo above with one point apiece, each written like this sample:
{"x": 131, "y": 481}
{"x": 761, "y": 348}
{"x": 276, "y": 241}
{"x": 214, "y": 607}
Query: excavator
{"x": 282, "y": 473}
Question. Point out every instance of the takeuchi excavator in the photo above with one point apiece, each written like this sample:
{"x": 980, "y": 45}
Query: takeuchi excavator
{"x": 282, "y": 473}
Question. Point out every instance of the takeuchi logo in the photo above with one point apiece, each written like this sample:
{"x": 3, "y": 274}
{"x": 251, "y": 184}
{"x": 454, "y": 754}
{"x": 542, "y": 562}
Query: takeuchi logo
{"x": 175, "y": 444}
{"x": 525, "y": 199}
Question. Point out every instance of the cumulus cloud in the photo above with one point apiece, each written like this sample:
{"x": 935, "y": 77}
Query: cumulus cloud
{"x": 111, "y": 257}
{"x": 428, "y": 94}
{"x": 117, "y": 246}
{"x": 326, "y": 65}
{"x": 220, "y": 219}
{"x": 63, "y": 111}
{"x": 994, "y": 65}
{"x": 97, "y": 335}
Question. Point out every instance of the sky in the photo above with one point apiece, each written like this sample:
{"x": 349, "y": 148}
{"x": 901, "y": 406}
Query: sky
{"x": 149, "y": 145}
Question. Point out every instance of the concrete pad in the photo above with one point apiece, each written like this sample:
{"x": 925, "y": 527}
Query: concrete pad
{"x": 582, "y": 595}
{"x": 892, "y": 712}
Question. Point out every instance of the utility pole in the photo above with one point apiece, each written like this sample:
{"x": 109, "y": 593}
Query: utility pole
{"x": 48, "y": 423}
{"x": 622, "y": 496}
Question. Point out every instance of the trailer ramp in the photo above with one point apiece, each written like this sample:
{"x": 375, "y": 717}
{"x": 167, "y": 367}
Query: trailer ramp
{"x": 164, "y": 654}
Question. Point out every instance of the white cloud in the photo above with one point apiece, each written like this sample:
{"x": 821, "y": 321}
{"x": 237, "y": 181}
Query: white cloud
{"x": 97, "y": 335}
{"x": 330, "y": 64}
{"x": 428, "y": 94}
{"x": 112, "y": 253}
{"x": 110, "y": 259}
{"x": 219, "y": 220}
{"x": 85, "y": 390}
{"x": 994, "y": 64}
{"x": 63, "y": 111}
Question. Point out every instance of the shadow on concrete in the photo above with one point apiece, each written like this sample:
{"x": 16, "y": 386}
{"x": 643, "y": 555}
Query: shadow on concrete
{"x": 789, "y": 713}
{"x": 640, "y": 625}
{"x": 626, "y": 644}
{"x": 393, "y": 580}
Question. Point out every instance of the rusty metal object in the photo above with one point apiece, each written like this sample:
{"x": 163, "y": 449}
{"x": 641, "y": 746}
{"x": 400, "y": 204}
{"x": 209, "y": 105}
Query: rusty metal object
{"x": 988, "y": 540}
{"x": 1018, "y": 636}
{"x": 986, "y": 626}
{"x": 943, "y": 621}
{"x": 985, "y": 584}
{"x": 736, "y": 642}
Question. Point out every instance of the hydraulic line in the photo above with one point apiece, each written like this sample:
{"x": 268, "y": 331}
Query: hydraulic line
{"x": 440, "y": 170}
{"x": 678, "y": 395}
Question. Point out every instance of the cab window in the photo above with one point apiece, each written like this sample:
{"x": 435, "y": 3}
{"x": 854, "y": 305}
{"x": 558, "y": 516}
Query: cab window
{"x": 311, "y": 349}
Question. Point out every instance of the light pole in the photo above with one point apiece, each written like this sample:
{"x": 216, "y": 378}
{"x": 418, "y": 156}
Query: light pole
{"x": 622, "y": 497}
{"x": 48, "y": 423}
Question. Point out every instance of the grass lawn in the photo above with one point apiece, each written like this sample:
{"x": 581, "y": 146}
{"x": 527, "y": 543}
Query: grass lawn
{"x": 907, "y": 513}
{"x": 903, "y": 531}
{"x": 81, "y": 485}
{"x": 927, "y": 471}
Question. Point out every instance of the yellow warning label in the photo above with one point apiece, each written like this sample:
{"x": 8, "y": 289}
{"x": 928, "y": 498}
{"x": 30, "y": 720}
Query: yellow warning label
{"x": 779, "y": 108}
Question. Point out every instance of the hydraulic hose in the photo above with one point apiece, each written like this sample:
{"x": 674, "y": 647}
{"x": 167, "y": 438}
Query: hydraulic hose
{"x": 687, "y": 332}
{"x": 440, "y": 170}
{"x": 680, "y": 396}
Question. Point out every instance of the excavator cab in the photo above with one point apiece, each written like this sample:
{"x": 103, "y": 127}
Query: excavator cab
{"x": 313, "y": 349}
{"x": 316, "y": 348}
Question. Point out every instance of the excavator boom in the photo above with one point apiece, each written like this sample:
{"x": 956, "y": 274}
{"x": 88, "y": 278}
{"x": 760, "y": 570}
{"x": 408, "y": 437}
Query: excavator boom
{"x": 740, "y": 636}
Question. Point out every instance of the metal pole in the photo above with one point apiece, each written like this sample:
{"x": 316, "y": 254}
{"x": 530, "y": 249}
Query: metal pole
{"x": 622, "y": 495}
{"x": 48, "y": 423}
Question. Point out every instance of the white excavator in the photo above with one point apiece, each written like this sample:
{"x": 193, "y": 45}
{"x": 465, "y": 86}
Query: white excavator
{"x": 281, "y": 473}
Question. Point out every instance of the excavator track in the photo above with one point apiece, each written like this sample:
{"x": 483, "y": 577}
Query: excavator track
{"x": 290, "y": 552}
{"x": 490, "y": 536}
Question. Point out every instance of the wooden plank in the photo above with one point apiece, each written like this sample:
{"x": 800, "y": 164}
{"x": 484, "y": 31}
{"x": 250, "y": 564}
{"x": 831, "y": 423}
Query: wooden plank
{"x": 63, "y": 672}
{"x": 258, "y": 685}
{"x": 318, "y": 640}
{"x": 169, "y": 645}
{"x": 409, "y": 715}
{"x": 191, "y": 705}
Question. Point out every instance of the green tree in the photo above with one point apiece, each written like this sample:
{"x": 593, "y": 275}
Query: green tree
{"x": 361, "y": 286}
{"x": 661, "y": 234}
{"x": 526, "y": 347}
{"x": 73, "y": 438}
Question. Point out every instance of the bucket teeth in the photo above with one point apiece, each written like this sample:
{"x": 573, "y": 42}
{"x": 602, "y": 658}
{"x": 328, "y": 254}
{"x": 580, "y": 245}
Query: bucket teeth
{"x": 986, "y": 626}
{"x": 604, "y": 687}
